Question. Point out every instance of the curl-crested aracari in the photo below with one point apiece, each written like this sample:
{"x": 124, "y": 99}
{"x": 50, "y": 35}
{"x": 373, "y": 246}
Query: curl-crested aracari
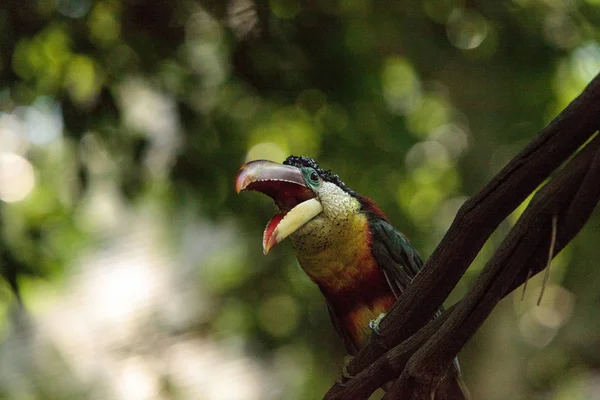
{"x": 343, "y": 242}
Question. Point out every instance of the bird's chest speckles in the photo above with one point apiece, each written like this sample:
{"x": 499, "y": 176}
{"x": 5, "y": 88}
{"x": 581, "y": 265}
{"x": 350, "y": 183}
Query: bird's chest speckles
{"x": 334, "y": 250}
{"x": 327, "y": 243}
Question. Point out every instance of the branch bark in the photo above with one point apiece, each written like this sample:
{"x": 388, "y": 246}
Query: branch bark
{"x": 571, "y": 195}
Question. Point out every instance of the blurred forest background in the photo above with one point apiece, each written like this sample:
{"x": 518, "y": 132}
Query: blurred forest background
{"x": 123, "y": 124}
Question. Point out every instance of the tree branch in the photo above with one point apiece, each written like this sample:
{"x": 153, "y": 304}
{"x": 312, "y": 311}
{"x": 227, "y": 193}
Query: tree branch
{"x": 573, "y": 200}
{"x": 526, "y": 247}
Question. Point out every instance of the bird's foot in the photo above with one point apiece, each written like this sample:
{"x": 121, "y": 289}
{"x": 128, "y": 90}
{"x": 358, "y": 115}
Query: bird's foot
{"x": 374, "y": 323}
{"x": 345, "y": 375}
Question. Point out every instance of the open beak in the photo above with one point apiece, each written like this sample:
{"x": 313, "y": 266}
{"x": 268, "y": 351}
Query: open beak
{"x": 284, "y": 184}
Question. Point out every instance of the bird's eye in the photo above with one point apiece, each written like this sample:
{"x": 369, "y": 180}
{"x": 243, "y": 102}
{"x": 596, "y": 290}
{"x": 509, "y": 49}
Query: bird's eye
{"x": 311, "y": 177}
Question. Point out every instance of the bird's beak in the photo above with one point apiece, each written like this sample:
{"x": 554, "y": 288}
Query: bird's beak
{"x": 284, "y": 184}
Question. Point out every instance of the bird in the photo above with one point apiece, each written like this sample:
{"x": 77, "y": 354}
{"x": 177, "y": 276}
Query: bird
{"x": 344, "y": 243}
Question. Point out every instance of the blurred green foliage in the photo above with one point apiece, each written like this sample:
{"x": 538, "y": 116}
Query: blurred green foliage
{"x": 122, "y": 125}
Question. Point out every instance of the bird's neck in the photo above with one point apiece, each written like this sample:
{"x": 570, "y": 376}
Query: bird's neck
{"x": 331, "y": 251}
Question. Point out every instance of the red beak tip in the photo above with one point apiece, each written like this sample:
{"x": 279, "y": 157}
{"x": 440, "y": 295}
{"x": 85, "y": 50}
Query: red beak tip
{"x": 241, "y": 181}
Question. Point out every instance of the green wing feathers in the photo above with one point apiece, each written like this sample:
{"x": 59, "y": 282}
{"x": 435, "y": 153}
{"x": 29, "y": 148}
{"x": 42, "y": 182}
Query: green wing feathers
{"x": 398, "y": 260}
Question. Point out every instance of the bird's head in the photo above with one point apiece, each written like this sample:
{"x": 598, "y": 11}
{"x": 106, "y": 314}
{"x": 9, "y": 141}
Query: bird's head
{"x": 311, "y": 201}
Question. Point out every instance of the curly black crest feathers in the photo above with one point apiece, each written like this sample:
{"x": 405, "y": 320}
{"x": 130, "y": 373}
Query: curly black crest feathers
{"x": 328, "y": 176}
{"x": 367, "y": 205}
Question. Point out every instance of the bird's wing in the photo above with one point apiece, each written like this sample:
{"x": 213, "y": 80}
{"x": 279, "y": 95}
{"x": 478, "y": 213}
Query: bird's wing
{"x": 398, "y": 260}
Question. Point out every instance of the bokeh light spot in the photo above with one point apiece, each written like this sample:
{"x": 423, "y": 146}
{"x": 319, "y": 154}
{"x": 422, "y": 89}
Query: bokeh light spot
{"x": 291, "y": 130}
{"x": 401, "y": 85}
{"x": 466, "y": 30}
{"x": 43, "y": 57}
{"x": 586, "y": 61}
{"x": 74, "y": 8}
{"x": 428, "y": 152}
{"x": 453, "y": 136}
{"x": 12, "y": 137}
{"x": 104, "y": 24}
{"x": 82, "y": 79}
{"x": 266, "y": 151}
{"x": 132, "y": 284}
{"x": 137, "y": 380}
{"x": 425, "y": 202}
{"x": 574, "y": 73}
{"x": 540, "y": 324}
{"x": 148, "y": 110}
{"x": 433, "y": 111}
{"x": 447, "y": 212}
{"x": 43, "y": 120}
{"x": 17, "y": 177}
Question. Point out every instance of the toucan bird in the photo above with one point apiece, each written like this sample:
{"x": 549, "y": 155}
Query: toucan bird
{"x": 344, "y": 243}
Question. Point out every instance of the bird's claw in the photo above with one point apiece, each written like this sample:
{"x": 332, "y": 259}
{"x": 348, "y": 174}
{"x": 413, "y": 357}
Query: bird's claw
{"x": 345, "y": 375}
{"x": 374, "y": 323}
